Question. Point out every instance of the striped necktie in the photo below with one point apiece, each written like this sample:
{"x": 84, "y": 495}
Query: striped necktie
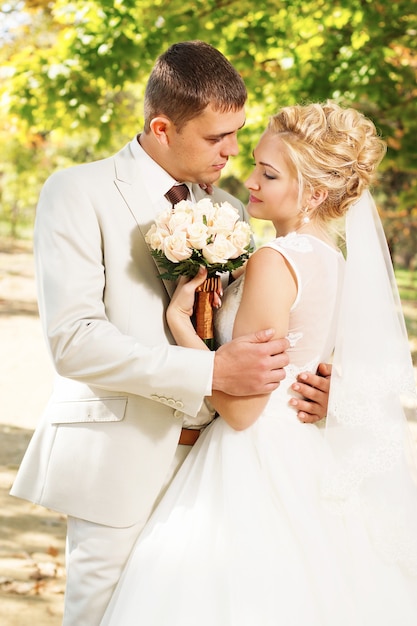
{"x": 177, "y": 193}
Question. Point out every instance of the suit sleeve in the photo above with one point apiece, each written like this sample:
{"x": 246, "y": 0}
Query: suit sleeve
{"x": 84, "y": 344}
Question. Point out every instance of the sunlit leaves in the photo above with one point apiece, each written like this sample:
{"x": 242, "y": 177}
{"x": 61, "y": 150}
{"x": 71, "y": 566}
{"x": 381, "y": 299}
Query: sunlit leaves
{"x": 286, "y": 51}
{"x": 78, "y": 67}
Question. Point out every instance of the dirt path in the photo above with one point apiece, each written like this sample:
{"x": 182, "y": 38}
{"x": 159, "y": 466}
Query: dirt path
{"x": 32, "y": 539}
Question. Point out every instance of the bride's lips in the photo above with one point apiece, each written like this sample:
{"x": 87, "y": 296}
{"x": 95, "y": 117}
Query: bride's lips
{"x": 253, "y": 199}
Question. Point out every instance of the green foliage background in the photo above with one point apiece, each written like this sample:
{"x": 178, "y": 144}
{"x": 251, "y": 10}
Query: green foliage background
{"x": 73, "y": 73}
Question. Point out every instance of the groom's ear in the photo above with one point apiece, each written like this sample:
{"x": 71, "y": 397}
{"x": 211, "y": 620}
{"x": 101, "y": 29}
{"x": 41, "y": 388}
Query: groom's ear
{"x": 160, "y": 128}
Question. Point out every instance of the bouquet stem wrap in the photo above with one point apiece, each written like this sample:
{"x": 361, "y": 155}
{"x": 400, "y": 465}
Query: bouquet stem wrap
{"x": 203, "y": 310}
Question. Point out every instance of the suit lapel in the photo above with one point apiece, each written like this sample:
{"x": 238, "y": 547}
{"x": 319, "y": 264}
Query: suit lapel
{"x": 129, "y": 182}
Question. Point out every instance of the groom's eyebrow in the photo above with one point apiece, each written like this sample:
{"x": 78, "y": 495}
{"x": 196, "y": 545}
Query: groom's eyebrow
{"x": 226, "y": 133}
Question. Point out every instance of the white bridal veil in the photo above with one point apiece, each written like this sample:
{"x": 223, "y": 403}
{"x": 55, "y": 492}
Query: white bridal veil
{"x": 373, "y": 456}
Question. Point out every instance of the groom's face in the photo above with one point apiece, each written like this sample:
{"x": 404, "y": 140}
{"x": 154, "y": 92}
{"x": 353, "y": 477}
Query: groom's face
{"x": 201, "y": 149}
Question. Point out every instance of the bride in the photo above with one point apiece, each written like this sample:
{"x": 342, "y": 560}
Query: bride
{"x": 272, "y": 521}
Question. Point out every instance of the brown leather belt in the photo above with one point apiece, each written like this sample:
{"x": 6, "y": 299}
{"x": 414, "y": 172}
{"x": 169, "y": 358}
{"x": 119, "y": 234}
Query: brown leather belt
{"x": 188, "y": 436}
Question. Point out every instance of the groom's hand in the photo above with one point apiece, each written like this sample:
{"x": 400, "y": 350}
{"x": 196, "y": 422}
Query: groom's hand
{"x": 313, "y": 389}
{"x": 250, "y": 365}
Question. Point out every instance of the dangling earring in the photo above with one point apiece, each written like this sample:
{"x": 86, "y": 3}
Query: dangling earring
{"x": 304, "y": 211}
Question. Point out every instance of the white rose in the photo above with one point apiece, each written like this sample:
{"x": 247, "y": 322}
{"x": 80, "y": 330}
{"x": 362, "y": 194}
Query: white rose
{"x": 224, "y": 219}
{"x": 220, "y": 251}
{"x": 240, "y": 237}
{"x": 204, "y": 208}
{"x": 162, "y": 220}
{"x": 180, "y": 220}
{"x": 184, "y": 205}
{"x": 197, "y": 235}
{"x": 153, "y": 229}
{"x": 155, "y": 237}
{"x": 204, "y": 205}
{"x": 176, "y": 248}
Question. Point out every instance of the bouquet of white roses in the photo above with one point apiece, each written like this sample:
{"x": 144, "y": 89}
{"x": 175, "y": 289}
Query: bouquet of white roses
{"x": 194, "y": 234}
{"x": 202, "y": 233}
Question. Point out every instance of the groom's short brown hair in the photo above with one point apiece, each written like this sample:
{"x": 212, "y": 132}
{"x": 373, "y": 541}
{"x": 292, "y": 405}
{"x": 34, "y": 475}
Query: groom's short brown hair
{"x": 189, "y": 76}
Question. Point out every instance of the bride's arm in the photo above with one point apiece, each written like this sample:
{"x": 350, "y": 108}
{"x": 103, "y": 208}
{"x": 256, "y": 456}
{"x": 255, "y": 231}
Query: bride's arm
{"x": 269, "y": 291}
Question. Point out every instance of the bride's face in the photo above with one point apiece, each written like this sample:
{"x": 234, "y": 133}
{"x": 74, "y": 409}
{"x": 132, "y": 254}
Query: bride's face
{"x": 273, "y": 186}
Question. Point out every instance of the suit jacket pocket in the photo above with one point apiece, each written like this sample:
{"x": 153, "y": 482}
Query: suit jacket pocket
{"x": 95, "y": 410}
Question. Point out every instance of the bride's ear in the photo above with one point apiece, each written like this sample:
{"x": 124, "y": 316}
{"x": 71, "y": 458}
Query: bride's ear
{"x": 317, "y": 198}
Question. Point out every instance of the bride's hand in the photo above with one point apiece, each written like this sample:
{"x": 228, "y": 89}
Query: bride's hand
{"x": 182, "y": 302}
{"x": 181, "y": 308}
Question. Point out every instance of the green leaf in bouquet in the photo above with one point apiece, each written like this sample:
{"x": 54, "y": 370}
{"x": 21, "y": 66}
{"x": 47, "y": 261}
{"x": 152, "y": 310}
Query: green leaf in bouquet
{"x": 190, "y": 267}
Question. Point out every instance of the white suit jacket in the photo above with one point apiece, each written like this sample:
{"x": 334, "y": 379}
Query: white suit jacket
{"x": 109, "y": 432}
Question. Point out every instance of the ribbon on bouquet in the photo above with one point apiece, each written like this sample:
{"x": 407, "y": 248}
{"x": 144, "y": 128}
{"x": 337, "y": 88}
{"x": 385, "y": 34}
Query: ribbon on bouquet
{"x": 203, "y": 309}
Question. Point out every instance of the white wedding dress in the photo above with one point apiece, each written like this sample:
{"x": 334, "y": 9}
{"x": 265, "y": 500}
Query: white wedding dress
{"x": 244, "y": 535}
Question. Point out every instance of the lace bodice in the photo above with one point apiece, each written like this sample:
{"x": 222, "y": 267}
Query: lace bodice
{"x": 318, "y": 269}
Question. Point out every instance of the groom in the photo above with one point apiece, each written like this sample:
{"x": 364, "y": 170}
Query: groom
{"x": 126, "y": 400}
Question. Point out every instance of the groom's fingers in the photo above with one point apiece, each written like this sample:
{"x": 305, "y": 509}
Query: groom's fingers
{"x": 259, "y": 356}
{"x": 277, "y": 346}
{"x": 324, "y": 370}
{"x": 314, "y": 391}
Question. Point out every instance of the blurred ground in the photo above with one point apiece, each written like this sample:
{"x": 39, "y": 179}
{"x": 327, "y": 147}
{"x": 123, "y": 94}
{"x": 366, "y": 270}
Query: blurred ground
{"x": 32, "y": 539}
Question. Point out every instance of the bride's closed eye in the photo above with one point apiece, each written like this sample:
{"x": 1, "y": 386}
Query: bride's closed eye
{"x": 265, "y": 173}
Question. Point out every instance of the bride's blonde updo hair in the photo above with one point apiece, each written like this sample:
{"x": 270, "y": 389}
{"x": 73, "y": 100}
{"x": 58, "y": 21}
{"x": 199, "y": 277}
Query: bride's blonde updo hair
{"x": 332, "y": 149}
